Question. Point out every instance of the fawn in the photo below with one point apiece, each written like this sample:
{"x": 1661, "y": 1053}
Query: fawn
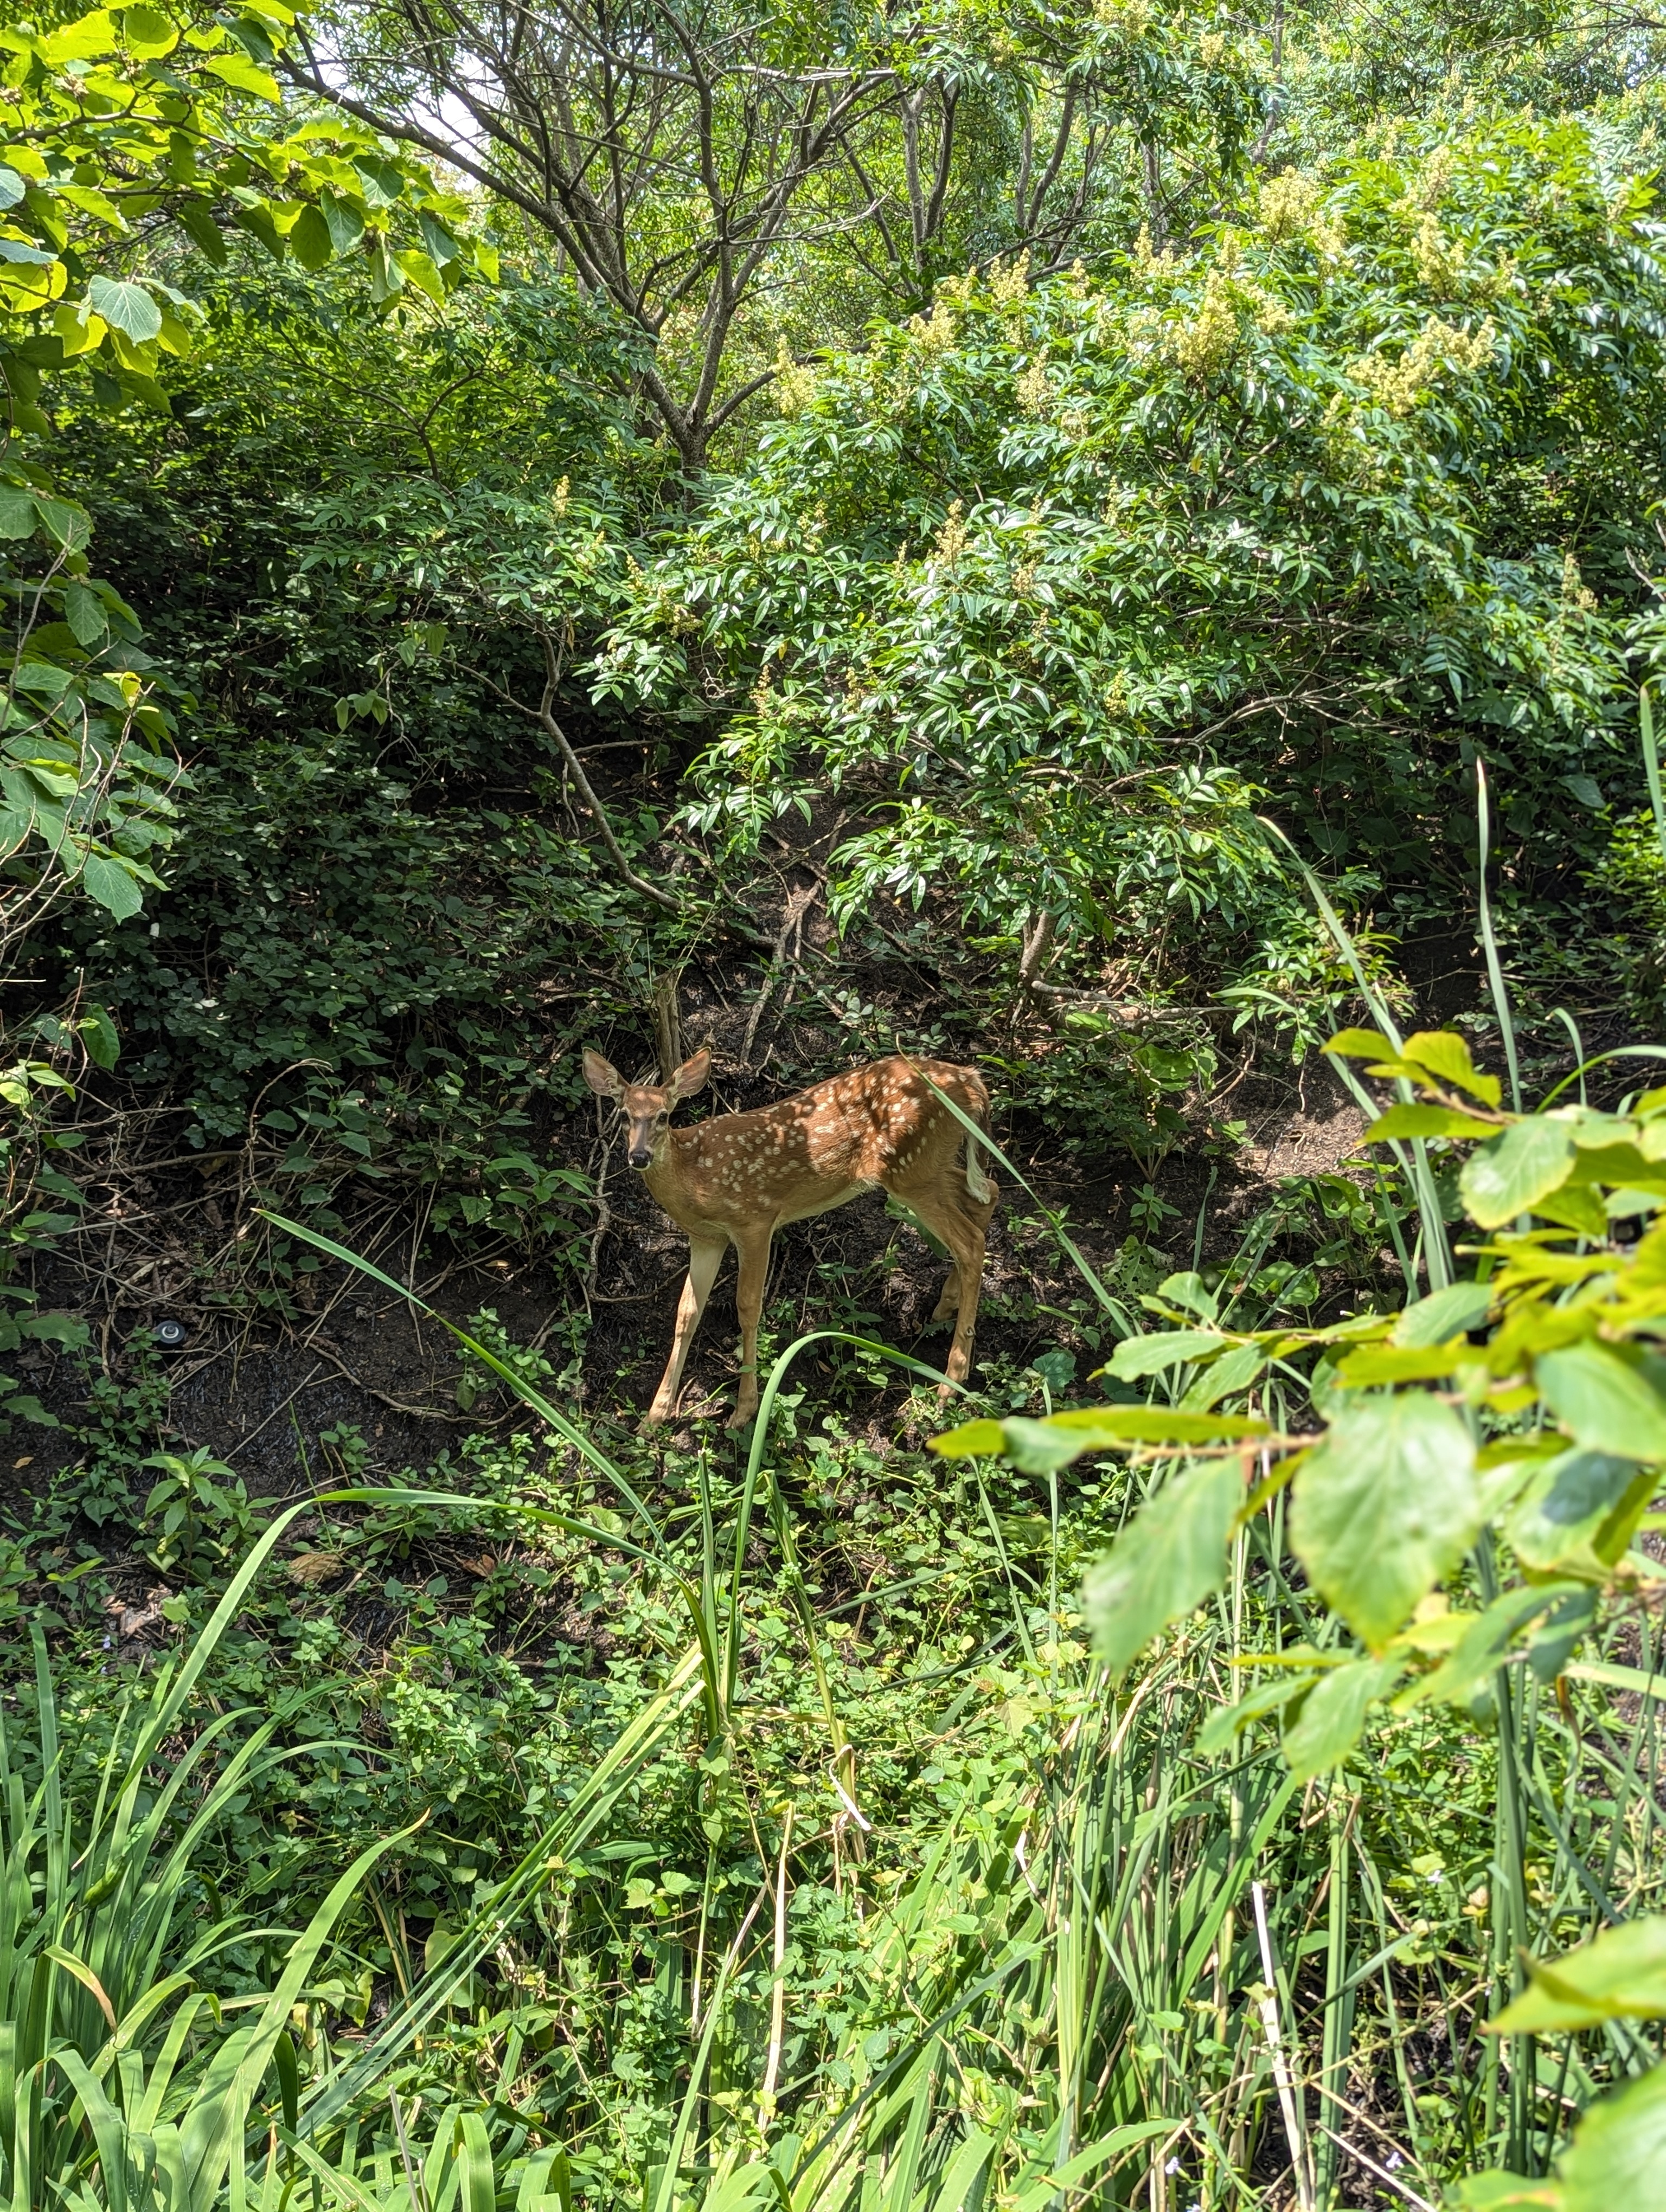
{"x": 737, "y": 1178}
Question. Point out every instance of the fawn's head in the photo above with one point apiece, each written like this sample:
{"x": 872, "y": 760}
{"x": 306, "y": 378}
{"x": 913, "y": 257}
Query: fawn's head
{"x": 646, "y": 1107}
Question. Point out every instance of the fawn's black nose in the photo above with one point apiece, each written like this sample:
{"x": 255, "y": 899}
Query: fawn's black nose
{"x": 641, "y": 1158}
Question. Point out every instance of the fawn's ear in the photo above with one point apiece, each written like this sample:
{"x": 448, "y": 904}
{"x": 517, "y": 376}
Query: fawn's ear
{"x": 601, "y": 1075}
{"x": 691, "y": 1075}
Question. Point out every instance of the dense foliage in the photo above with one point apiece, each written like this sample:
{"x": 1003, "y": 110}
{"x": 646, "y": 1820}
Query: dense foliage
{"x": 1102, "y": 541}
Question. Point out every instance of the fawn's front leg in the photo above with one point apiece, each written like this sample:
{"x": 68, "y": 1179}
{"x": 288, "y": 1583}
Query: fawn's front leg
{"x": 705, "y": 1258}
{"x": 754, "y": 1251}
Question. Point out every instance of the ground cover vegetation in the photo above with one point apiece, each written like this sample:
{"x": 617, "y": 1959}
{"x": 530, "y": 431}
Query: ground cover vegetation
{"x": 1118, "y": 543}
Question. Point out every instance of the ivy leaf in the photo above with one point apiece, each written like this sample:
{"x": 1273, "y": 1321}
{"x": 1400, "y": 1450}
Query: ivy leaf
{"x": 1524, "y": 1164}
{"x": 1164, "y": 1565}
{"x": 126, "y": 308}
{"x": 1606, "y": 1403}
{"x": 1385, "y": 1507}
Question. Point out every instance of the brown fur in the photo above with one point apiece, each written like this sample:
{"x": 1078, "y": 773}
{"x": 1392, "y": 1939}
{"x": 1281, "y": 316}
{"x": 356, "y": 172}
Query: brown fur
{"x": 737, "y": 1178}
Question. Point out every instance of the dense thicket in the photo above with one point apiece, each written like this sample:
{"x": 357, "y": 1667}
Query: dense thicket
{"x": 1049, "y": 536}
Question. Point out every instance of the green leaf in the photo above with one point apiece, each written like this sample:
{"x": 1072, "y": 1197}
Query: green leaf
{"x": 1164, "y": 1565}
{"x": 1385, "y": 1507}
{"x": 1404, "y": 1121}
{"x": 197, "y": 223}
{"x": 1373, "y": 1365}
{"x": 17, "y": 514}
{"x": 12, "y": 187}
{"x": 1224, "y": 1725}
{"x": 84, "y": 612}
{"x": 1606, "y": 1403}
{"x": 1621, "y": 1975}
{"x": 1563, "y": 1518}
{"x": 310, "y": 240}
{"x": 148, "y": 34}
{"x": 1508, "y": 1176}
{"x": 111, "y": 886}
{"x": 99, "y": 1034}
{"x": 1189, "y": 1289}
{"x": 1360, "y": 1045}
{"x": 241, "y": 72}
{"x": 972, "y": 1440}
{"x": 1586, "y": 789}
{"x": 345, "y": 222}
{"x": 1506, "y": 2192}
{"x": 126, "y": 308}
{"x": 1149, "y": 1355}
{"x": 1446, "y": 1054}
{"x": 1234, "y": 1370}
{"x": 1333, "y": 1718}
{"x": 1444, "y": 1315}
{"x": 1618, "y": 2155}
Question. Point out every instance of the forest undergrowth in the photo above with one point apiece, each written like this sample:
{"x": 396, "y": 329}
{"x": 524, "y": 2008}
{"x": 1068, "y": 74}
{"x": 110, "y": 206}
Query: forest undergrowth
{"x": 1112, "y": 543}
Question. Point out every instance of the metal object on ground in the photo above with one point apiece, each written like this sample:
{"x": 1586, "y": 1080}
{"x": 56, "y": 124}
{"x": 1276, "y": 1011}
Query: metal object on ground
{"x": 169, "y": 1334}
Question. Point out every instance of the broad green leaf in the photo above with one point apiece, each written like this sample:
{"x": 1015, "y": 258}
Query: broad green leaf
{"x": 1507, "y": 1177}
{"x": 1040, "y": 1446}
{"x": 17, "y": 514}
{"x": 421, "y": 273}
{"x": 1164, "y": 1565}
{"x": 1606, "y": 1403}
{"x": 972, "y": 1440}
{"x": 1445, "y": 1314}
{"x": 1224, "y": 1725}
{"x": 100, "y": 1037}
{"x": 1360, "y": 1045}
{"x": 343, "y": 221}
{"x": 1621, "y": 1975}
{"x": 1332, "y": 1719}
{"x": 1371, "y": 1365}
{"x": 148, "y": 34}
{"x": 1617, "y": 2160}
{"x": 1506, "y": 2192}
{"x": 241, "y": 72}
{"x": 1385, "y": 1507}
{"x": 309, "y": 238}
{"x": 111, "y": 885}
{"x": 194, "y": 218}
{"x": 1189, "y": 1289}
{"x": 83, "y": 610}
{"x": 12, "y": 187}
{"x": 126, "y": 308}
{"x": 1578, "y": 1512}
{"x": 1149, "y": 1355}
{"x": 1446, "y": 1054}
{"x": 1480, "y": 1649}
{"x": 1405, "y": 1120}
{"x": 1234, "y": 1370}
